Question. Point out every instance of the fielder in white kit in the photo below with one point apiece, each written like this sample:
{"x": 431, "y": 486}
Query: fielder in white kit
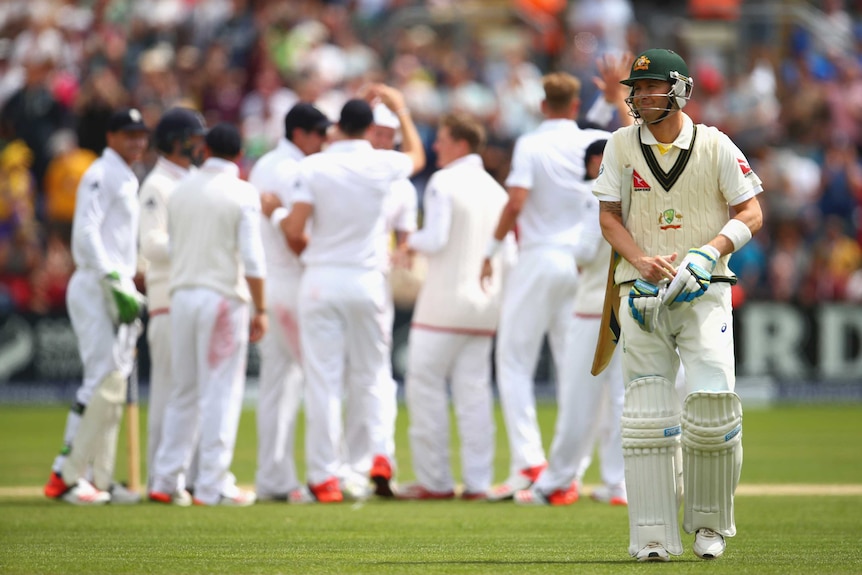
{"x": 590, "y": 406}
{"x": 217, "y": 269}
{"x": 280, "y": 380}
{"x": 342, "y": 293}
{"x": 104, "y": 308}
{"x": 454, "y": 319}
{"x": 400, "y": 212}
{"x": 179, "y": 139}
{"x": 667, "y": 186}
{"x": 544, "y": 201}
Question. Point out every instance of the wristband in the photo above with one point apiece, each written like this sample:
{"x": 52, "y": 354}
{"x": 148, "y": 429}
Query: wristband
{"x": 493, "y": 248}
{"x": 278, "y": 214}
{"x": 737, "y": 232}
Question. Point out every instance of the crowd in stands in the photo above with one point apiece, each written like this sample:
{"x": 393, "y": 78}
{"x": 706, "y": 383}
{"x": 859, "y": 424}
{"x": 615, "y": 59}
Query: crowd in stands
{"x": 794, "y": 105}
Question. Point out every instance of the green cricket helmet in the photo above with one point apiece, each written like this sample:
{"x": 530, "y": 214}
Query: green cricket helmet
{"x": 666, "y": 65}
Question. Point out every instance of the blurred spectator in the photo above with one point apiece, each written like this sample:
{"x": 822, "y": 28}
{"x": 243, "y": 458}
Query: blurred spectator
{"x": 61, "y": 181}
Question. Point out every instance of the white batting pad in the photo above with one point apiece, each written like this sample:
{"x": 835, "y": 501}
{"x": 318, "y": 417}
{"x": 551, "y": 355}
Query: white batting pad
{"x": 96, "y": 439}
{"x": 650, "y": 436}
{"x": 712, "y": 459}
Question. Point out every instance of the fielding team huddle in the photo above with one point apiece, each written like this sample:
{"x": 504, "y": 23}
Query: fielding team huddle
{"x": 298, "y": 260}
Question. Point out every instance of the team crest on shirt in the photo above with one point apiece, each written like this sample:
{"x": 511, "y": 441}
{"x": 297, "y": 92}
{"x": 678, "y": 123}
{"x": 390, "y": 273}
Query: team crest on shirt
{"x": 670, "y": 220}
{"x": 743, "y": 165}
{"x": 638, "y": 183}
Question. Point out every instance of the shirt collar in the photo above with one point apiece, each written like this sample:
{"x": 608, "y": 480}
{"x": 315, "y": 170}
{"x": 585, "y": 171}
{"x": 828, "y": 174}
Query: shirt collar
{"x": 222, "y": 166}
{"x": 287, "y": 147}
{"x": 556, "y": 124}
{"x": 470, "y": 160}
{"x": 111, "y": 155}
{"x": 349, "y": 146}
{"x": 172, "y": 168}
{"x": 682, "y": 141}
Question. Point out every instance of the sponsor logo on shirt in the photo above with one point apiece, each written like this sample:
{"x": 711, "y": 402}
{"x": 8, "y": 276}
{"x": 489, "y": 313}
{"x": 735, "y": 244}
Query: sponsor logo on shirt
{"x": 638, "y": 183}
{"x": 670, "y": 220}
{"x": 743, "y": 165}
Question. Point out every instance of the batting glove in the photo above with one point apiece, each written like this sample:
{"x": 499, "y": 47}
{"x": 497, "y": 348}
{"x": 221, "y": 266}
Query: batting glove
{"x": 645, "y": 303}
{"x": 124, "y": 302}
{"x": 692, "y": 276}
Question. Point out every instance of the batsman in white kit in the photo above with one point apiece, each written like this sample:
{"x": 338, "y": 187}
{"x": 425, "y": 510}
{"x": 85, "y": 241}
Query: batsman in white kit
{"x": 104, "y": 308}
{"x": 667, "y": 187}
{"x": 179, "y": 139}
{"x": 341, "y": 192}
{"x": 455, "y": 318}
{"x": 280, "y": 381}
{"x": 217, "y": 270}
{"x": 547, "y": 168}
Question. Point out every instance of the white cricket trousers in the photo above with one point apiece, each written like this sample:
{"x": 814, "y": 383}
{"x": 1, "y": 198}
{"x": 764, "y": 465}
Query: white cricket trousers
{"x": 343, "y": 350}
{"x": 537, "y": 300}
{"x": 279, "y": 387}
{"x": 208, "y": 361}
{"x": 101, "y": 350}
{"x": 102, "y": 347}
{"x": 589, "y": 408}
{"x": 159, "y": 341}
{"x": 438, "y": 361}
{"x": 359, "y": 456}
{"x": 699, "y": 333}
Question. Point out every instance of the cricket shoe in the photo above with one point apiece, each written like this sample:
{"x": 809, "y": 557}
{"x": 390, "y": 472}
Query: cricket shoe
{"x": 521, "y": 480}
{"x": 122, "y": 495}
{"x": 416, "y": 492}
{"x": 474, "y": 495}
{"x": 300, "y": 496}
{"x": 180, "y": 498}
{"x": 84, "y": 493}
{"x": 239, "y": 498}
{"x": 327, "y": 492}
{"x": 557, "y": 497}
{"x": 610, "y": 495}
{"x": 708, "y": 544}
{"x": 356, "y": 488}
{"x": 381, "y": 476}
{"x": 653, "y": 552}
{"x": 56, "y": 487}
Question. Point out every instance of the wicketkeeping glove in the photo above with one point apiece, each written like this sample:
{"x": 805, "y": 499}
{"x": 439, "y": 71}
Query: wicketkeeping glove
{"x": 645, "y": 303}
{"x": 124, "y": 302}
{"x": 692, "y": 276}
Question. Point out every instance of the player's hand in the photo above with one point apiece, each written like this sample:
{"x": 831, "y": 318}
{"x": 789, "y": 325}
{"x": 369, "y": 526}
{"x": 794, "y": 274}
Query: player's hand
{"x": 391, "y": 97}
{"x": 268, "y": 203}
{"x": 124, "y": 302}
{"x": 656, "y": 268}
{"x": 645, "y": 303}
{"x": 693, "y": 276}
{"x": 258, "y": 327}
{"x": 402, "y": 257}
{"x": 611, "y": 70}
{"x": 487, "y": 274}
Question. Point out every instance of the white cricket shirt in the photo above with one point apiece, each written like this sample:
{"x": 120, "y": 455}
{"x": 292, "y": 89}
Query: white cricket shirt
{"x": 276, "y": 173}
{"x": 214, "y": 226}
{"x": 549, "y": 162}
{"x": 347, "y": 185}
{"x": 153, "y": 234}
{"x": 105, "y": 227}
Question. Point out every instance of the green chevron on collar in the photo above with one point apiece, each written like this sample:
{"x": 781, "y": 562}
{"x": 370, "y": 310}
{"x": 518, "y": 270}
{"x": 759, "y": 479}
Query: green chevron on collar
{"x": 668, "y": 179}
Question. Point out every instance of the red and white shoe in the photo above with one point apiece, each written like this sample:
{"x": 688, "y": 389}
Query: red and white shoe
{"x": 610, "y": 495}
{"x": 521, "y": 480}
{"x": 416, "y": 492}
{"x": 56, "y": 487}
{"x": 241, "y": 498}
{"x": 181, "y": 498}
{"x": 84, "y": 493}
{"x": 557, "y": 497}
{"x": 327, "y": 492}
{"x": 381, "y": 476}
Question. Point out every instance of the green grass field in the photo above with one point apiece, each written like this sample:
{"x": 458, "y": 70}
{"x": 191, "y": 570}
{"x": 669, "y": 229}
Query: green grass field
{"x": 808, "y": 449}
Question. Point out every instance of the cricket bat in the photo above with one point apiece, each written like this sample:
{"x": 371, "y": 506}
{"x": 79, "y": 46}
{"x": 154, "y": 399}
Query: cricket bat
{"x": 609, "y": 333}
{"x": 133, "y": 431}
